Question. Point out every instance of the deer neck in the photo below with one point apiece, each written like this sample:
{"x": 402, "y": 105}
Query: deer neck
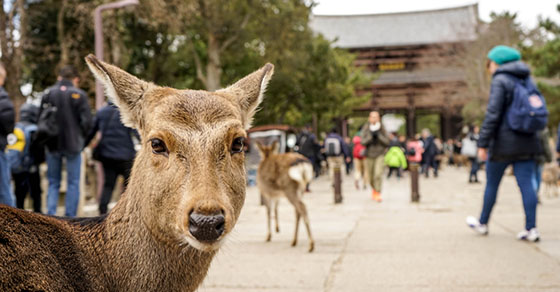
{"x": 136, "y": 261}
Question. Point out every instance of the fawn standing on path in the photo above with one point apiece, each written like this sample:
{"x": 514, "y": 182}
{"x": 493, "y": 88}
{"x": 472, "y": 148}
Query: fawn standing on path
{"x": 185, "y": 194}
{"x": 284, "y": 175}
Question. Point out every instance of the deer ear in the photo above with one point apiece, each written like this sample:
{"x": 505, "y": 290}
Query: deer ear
{"x": 248, "y": 92}
{"x": 274, "y": 146}
{"x": 124, "y": 89}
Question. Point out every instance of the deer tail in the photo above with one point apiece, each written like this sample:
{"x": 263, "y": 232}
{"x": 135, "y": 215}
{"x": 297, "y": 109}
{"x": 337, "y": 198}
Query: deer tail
{"x": 301, "y": 172}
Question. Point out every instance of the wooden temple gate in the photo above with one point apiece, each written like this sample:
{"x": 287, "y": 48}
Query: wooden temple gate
{"x": 415, "y": 58}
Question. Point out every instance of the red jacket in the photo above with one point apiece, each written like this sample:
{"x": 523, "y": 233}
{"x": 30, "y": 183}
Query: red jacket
{"x": 358, "y": 147}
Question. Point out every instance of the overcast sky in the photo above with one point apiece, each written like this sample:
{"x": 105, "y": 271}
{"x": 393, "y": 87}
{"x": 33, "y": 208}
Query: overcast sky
{"x": 527, "y": 11}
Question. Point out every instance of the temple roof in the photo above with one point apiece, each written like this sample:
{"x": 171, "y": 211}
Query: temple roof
{"x": 399, "y": 29}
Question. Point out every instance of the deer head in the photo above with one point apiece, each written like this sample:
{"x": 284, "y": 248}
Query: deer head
{"x": 188, "y": 180}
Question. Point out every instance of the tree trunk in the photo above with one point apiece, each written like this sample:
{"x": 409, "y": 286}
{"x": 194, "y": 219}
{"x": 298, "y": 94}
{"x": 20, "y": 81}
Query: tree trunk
{"x": 214, "y": 66}
{"x": 64, "y": 45}
{"x": 12, "y": 50}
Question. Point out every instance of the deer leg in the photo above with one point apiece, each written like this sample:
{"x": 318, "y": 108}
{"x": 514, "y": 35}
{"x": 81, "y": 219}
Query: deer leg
{"x": 268, "y": 211}
{"x": 303, "y": 211}
{"x": 276, "y": 216}
{"x": 294, "y": 242}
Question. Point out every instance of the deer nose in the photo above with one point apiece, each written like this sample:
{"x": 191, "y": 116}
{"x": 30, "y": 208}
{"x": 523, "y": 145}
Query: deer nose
{"x": 206, "y": 227}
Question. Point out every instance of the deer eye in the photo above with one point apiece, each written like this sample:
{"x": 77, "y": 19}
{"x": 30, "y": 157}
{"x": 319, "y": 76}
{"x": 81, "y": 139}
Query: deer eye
{"x": 158, "y": 147}
{"x": 237, "y": 145}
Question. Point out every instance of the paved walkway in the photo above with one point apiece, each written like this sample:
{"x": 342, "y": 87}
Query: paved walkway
{"x": 393, "y": 246}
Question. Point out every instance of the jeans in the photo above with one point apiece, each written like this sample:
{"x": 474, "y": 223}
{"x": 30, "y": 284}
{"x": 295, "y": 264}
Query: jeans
{"x": 54, "y": 164}
{"x": 112, "y": 169}
{"x": 524, "y": 172}
{"x": 537, "y": 178}
{"x": 6, "y": 196}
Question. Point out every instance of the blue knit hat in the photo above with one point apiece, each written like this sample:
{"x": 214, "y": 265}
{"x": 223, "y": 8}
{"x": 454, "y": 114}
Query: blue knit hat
{"x": 503, "y": 54}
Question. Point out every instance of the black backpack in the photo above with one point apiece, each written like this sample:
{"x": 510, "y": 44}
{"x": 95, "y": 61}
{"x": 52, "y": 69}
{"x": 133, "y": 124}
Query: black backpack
{"x": 47, "y": 125}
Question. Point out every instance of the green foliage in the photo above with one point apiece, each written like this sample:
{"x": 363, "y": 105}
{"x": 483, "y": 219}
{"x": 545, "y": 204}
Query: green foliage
{"x": 171, "y": 43}
{"x": 321, "y": 83}
{"x": 429, "y": 121}
{"x": 552, "y": 96}
{"x": 545, "y": 61}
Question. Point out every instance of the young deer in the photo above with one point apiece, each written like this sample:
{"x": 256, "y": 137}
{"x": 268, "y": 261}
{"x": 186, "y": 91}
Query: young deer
{"x": 284, "y": 175}
{"x": 185, "y": 194}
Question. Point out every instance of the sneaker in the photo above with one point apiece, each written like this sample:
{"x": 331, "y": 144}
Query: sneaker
{"x": 529, "y": 235}
{"x": 473, "y": 223}
{"x": 376, "y": 196}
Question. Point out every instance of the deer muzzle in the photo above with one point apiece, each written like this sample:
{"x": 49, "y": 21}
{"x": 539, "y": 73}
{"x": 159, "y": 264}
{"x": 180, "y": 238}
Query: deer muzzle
{"x": 206, "y": 228}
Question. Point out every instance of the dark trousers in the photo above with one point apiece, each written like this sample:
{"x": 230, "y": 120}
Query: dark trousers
{"x": 112, "y": 169}
{"x": 427, "y": 163}
{"x": 395, "y": 169}
{"x": 28, "y": 182}
{"x": 475, "y": 166}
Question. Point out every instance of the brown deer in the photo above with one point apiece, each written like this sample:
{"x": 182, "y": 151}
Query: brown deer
{"x": 284, "y": 175}
{"x": 185, "y": 194}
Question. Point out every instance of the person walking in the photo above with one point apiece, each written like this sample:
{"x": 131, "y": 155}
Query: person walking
{"x": 115, "y": 150}
{"x": 395, "y": 160}
{"x": 336, "y": 151}
{"x": 25, "y": 156}
{"x": 350, "y": 161}
{"x": 469, "y": 149}
{"x": 307, "y": 146}
{"x": 429, "y": 154}
{"x": 504, "y": 140}
{"x": 73, "y": 117}
{"x": 7, "y": 118}
{"x": 375, "y": 139}
{"x": 358, "y": 153}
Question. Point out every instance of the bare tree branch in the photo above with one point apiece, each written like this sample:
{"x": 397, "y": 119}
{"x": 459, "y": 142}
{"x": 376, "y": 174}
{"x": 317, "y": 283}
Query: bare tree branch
{"x": 235, "y": 36}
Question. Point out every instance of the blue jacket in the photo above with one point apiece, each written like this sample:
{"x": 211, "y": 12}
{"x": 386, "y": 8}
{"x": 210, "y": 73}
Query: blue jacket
{"x": 495, "y": 134}
{"x": 116, "y": 139}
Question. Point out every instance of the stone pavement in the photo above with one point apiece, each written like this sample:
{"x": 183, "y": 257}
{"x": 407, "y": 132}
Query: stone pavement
{"x": 361, "y": 245}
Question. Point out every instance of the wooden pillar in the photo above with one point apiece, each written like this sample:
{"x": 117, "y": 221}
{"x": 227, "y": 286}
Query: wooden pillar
{"x": 410, "y": 122}
{"x": 446, "y": 123}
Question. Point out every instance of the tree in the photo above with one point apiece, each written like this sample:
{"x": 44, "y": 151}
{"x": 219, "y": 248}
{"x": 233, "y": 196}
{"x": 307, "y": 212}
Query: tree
{"x": 545, "y": 61}
{"x": 503, "y": 29}
{"x": 12, "y": 38}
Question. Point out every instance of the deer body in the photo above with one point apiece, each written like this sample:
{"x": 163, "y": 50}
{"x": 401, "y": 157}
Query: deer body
{"x": 284, "y": 175}
{"x": 184, "y": 195}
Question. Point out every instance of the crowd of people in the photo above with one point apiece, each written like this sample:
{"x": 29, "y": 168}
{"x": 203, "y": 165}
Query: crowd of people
{"x": 373, "y": 152}
{"x": 56, "y": 132}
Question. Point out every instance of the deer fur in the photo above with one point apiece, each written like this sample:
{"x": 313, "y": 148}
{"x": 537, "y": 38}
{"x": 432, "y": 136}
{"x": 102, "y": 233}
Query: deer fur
{"x": 144, "y": 243}
{"x": 284, "y": 175}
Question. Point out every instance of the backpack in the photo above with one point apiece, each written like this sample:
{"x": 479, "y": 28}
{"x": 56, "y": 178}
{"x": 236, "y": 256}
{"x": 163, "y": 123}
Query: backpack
{"x": 332, "y": 147}
{"x": 19, "y": 152}
{"x": 305, "y": 144}
{"x": 527, "y": 112}
{"x": 47, "y": 125}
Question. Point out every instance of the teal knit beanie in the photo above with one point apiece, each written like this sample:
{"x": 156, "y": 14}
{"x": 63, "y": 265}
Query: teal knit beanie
{"x": 503, "y": 54}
